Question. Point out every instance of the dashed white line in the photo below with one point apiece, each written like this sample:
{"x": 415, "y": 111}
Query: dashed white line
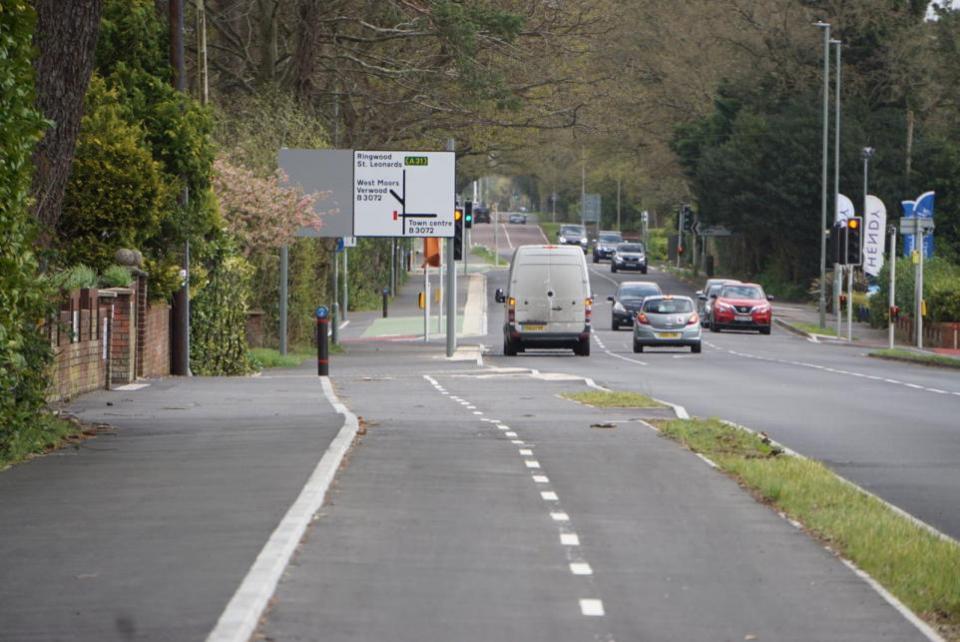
{"x": 560, "y": 517}
{"x": 541, "y": 479}
{"x": 526, "y": 452}
{"x": 517, "y": 442}
{"x": 510, "y": 434}
{"x": 549, "y": 496}
{"x": 569, "y": 539}
{"x": 532, "y": 463}
{"x": 591, "y": 608}
{"x": 580, "y": 568}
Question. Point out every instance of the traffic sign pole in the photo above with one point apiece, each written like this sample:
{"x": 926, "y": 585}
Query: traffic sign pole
{"x": 452, "y": 282}
{"x": 893, "y": 281}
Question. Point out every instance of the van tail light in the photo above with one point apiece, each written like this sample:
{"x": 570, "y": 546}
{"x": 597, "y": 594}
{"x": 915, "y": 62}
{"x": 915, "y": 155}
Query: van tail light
{"x": 694, "y": 319}
{"x": 642, "y": 318}
{"x": 511, "y": 310}
{"x": 587, "y": 309}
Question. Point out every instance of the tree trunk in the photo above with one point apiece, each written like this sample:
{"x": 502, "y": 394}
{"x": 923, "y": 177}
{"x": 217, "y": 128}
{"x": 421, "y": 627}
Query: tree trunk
{"x": 909, "y": 159}
{"x": 269, "y": 50}
{"x": 66, "y": 38}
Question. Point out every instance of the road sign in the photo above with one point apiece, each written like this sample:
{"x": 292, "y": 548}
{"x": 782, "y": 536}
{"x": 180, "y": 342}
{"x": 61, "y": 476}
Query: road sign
{"x": 591, "y": 208}
{"x": 330, "y": 172}
{"x": 715, "y": 230}
{"x": 405, "y": 194}
{"x": 696, "y": 227}
{"x": 915, "y": 224}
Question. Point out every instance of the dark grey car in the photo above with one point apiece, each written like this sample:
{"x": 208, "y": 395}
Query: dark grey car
{"x": 628, "y": 300}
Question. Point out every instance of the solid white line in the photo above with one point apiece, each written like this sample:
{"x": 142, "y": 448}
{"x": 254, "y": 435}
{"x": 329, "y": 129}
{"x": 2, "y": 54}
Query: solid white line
{"x": 239, "y": 619}
{"x": 580, "y": 568}
{"x": 619, "y": 356}
{"x": 707, "y": 459}
{"x": 569, "y": 539}
{"x": 592, "y": 608}
{"x": 549, "y": 496}
{"x": 546, "y": 241}
{"x": 507, "y": 234}
{"x": 604, "y": 276}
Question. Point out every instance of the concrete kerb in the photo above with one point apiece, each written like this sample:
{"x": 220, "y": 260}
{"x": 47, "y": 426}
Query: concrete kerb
{"x": 240, "y": 618}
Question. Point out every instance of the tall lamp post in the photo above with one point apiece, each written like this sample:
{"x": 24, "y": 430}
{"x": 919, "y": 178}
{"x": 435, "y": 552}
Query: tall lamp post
{"x": 823, "y": 197}
{"x": 867, "y": 154}
{"x": 837, "y": 268}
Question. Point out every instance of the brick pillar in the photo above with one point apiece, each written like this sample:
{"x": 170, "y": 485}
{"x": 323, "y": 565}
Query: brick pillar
{"x": 141, "y": 289}
{"x": 123, "y": 337}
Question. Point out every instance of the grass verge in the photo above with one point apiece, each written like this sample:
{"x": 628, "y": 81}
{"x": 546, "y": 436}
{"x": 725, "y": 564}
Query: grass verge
{"x": 811, "y": 328}
{"x": 270, "y": 358}
{"x": 551, "y": 230}
{"x": 916, "y": 566}
{"x": 485, "y": 253}
{"x": 603, "y": 399}
{"x": 47, "y": 432}
{"x": 898, "y": 354}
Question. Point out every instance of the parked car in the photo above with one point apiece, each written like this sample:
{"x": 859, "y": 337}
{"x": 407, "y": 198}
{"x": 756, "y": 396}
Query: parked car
{"x": 629, "y": 256}
{"x": 547, "y": 303}
{"x": 741, "y": 306}
{"x": 481, "y": 214}
{"x": 706, "y": 296}
{"x": 628, "y": 300}
{"x": 573, "y": 235}
{"x": 518, "y": 219}
{"x": 605, "y": 245}
{"x": 667, "y": 320}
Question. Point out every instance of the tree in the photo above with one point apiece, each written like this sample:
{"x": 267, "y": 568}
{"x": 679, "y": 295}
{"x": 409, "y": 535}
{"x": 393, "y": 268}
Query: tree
{"x": 66, "y": 38}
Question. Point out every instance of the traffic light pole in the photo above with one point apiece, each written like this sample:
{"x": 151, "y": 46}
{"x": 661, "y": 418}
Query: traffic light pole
{"x": 893, "y": 282}
{"x": 452, "y": 287}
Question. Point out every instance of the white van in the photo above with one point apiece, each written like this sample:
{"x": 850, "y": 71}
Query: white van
{"x": 548, "y": 302}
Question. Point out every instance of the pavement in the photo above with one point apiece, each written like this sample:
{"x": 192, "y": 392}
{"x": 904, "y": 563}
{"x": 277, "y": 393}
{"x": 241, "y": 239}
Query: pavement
{"x": 475, "y": 504}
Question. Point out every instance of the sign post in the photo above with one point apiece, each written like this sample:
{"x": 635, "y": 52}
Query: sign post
{"x": 893, "y": 283}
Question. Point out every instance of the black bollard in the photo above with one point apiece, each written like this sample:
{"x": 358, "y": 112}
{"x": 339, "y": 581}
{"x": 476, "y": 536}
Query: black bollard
{"x": 323, "y": 350}
{"x": 386, "y": 293}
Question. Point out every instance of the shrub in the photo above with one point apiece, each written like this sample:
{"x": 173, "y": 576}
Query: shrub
{"x": 941, "y": 285}
{"x": 76, "y": 277}
{"x": 116, "y": 276}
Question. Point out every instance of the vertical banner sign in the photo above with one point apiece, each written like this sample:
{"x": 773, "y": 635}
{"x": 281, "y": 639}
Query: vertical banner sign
{"x": 874, "y": 235}
{"x": 924, "y": 209}
{"x": 403, "y": 194}
{"x": 844, "y": 209}
{"x": 909, "y": 240}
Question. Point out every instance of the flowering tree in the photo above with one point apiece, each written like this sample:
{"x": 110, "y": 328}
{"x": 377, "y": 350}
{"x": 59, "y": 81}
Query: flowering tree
{"x": 261, "y": 213}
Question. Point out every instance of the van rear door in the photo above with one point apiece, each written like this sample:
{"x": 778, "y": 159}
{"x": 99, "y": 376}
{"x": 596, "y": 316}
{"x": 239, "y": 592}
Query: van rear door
{"x": 550, "y": 293}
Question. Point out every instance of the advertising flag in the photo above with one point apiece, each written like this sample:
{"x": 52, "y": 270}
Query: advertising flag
{"x": 908, "y": 239}
{"x": 874, "y": 235}
{"x": 844, "y": 209}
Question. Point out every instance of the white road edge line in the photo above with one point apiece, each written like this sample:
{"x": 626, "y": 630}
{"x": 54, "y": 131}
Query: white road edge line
{"x": 240, "y": 618}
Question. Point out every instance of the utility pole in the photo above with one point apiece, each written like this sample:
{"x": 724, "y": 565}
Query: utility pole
{"x": 181, "y": 302}
{"x": 893, "y": 283}
{"x": 823, "y": 199}
{"x": 618, "y": 204}
{"x": 452, "y": 283}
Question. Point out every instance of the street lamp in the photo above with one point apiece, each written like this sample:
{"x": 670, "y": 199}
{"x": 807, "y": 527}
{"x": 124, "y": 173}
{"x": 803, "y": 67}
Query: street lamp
{"x": 837, "y": 268}
{"x": 823, "y": 197}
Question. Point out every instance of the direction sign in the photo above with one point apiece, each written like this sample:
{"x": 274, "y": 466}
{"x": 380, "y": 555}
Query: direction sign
{"x": 591, "y": 208}
{"x": 915, "y": 224}
{"x": 403, "y": 194}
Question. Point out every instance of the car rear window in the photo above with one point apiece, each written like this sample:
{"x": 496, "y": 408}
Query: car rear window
{"x": 668, "y": 306}
{"x": 571, "y": 229}
{"x": 630, "y": 247}
{"x": 741, "y": 292}
{"x": 611, "y": 238}
{"x": 639, "y": 291}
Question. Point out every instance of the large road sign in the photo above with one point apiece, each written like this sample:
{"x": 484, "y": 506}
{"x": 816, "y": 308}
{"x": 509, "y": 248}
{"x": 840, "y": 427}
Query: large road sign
{"x": 591, "y": 208}
{"x": 330, "y": 172}
{"x": 399, "y": 194}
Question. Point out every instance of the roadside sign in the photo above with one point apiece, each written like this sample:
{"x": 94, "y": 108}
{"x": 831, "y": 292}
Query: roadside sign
{"x": 591, "y": 208}
{"x": 716, "y": 230}
{"x": 330, "y": 172}
{"x": 696, "y": 227}
{"x": 403, "y": 194}
{"x": 349, "y": 241}
{"x": 915, "y": 224}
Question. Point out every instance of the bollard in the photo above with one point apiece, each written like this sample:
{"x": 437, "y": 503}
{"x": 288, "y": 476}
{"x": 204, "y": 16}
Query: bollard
{"x": 386, "y": 293}
{"x": 323, "y": 351}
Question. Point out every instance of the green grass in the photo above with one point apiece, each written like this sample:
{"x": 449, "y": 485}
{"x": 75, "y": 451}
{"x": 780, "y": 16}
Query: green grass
{"x": 270, "y": 358}
{"x": 46, "y": 432}
{"x": 485, "y": 253}
{"x": 921, "y": 569}
{"x": 603, "y": 399}
{"x": 550, "y": 230}
{"x": 898, "y": 354}
{"x": 813, "y": 328}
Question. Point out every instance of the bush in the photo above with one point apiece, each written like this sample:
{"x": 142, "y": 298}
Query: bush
{"x": 25, "y": 297}
{"x": 941, "y": 285}
{"x": 116, "y": 276}
{"x": 76, "y": 277}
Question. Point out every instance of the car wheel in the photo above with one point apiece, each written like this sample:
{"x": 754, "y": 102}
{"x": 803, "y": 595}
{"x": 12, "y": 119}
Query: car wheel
{"x": 637, "y": 347}
{"x": 596, "y": 259}
{"x": 614, "y": 325}
{"x": 643, "y": 270}
{"x": 714, "y": 327}
{"x": 765, "y": 330}
{"x": 582, "y": 349}
{"x": 509, "y": 348}
{"x": 613, "y": 267}
{"x": 695, "y": 348}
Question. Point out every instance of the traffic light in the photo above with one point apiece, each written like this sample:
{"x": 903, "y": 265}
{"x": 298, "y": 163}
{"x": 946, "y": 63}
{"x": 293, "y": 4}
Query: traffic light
{"x": 854, "y": 240}
{"x": 468, "y": 215}
{"x": 458, "y": 234}
{"x": 687, "y": 214}
{"x": 838, "y": 242}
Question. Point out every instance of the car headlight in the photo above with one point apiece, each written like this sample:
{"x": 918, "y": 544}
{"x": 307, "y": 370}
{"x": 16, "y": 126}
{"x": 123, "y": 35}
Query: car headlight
{"x": 583, "y": 241}
{"x": 563, "y": 239}
{"x": 762, "y": 309}
{"x": 618, "y": 307}
{"x": 726, "y": 307}
{"x": 616, "y": 257}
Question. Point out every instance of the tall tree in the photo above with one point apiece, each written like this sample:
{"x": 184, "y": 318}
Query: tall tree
{"x": 66, "y": 38}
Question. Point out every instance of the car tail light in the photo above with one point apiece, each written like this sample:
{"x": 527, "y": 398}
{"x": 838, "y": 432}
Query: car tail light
{"x": 587, "y": 309}
{"x": 642, "y": 318}
{"x": 511, "y": 309}
{"x": 694, "y": 318}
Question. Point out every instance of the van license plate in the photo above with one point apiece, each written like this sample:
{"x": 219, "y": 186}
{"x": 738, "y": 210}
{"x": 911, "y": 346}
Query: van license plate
{"x": 743, "y": 317}
{"x": 668, "y": 335}
{"x": 534, "y": 327}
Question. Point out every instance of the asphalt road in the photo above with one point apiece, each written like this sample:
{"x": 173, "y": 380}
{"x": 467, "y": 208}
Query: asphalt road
{"x": 892, "y": 428}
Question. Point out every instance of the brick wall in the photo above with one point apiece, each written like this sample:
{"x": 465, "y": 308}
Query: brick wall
{"x": 79, "y": 361}
{"x": 123, "y": 337}
{"x": 156, "y": 341}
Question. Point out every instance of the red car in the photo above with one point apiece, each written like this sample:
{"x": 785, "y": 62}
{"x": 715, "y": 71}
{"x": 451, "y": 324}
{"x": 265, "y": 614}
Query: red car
{"x": 742, "y": 306}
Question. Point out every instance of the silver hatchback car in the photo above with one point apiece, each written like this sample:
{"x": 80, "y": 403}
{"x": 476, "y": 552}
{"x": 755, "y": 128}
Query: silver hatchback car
{"x": 667, "y": 321}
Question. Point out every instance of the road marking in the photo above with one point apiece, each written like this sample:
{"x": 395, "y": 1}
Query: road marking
{"x": 532, "y": 463}
{"x": 477, "y": 412}
{"x": 604, "y": 276}
{"x": 239, "y": 619}
{"x": 549, "y": 496}
{"x": 510, "y": 434}
{"x": 526, "y": 452}
{"x": 580, "y": 568}
{"x": 541, "y": 479}
{"x": 623, "y": 358}
{"x": 569, "y": 539}
{"x": 591, "y": 608}
{"x": 560, "y": 517}
{"x": 507, "y": 234}
{"x": 516, "y": 442}
{"x": 503, "y": 426}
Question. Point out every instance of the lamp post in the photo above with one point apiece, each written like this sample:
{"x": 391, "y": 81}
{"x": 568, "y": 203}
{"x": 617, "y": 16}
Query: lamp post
{"x": 837, "y": 268}
{"x": 867, "y": 154}
{"x": 823, "y": 197}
